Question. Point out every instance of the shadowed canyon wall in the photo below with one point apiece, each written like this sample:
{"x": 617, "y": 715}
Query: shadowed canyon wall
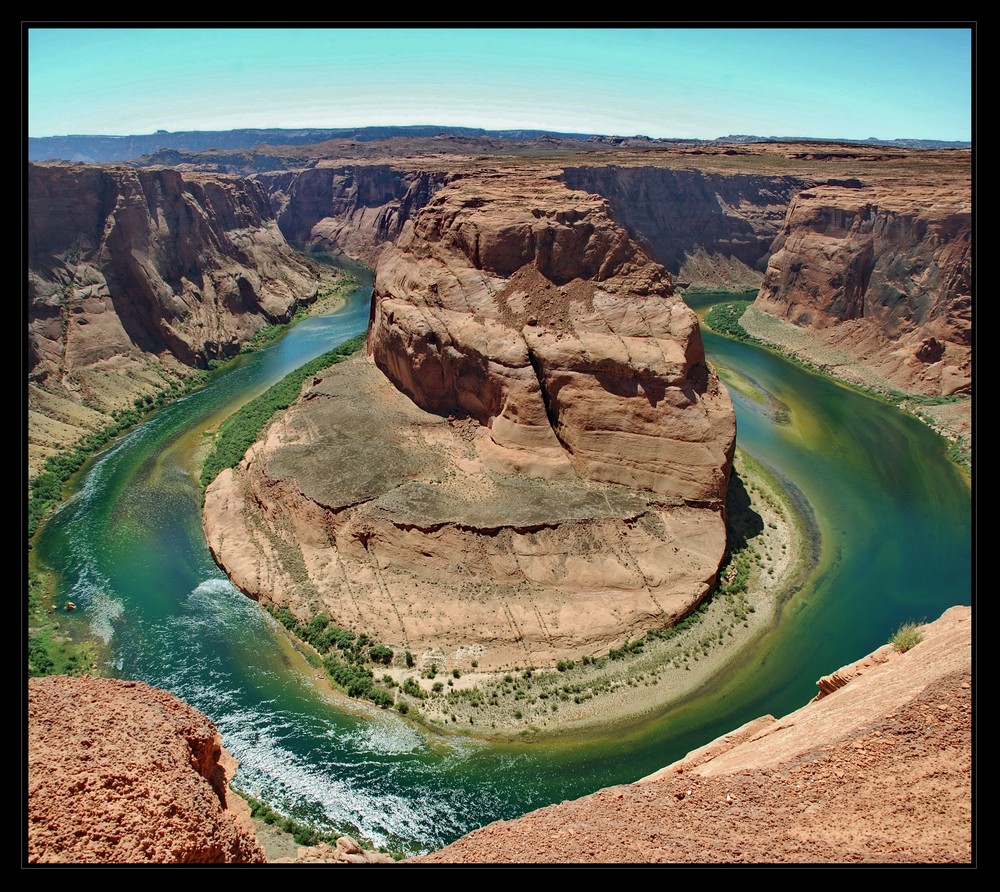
{"x": 134, "y": 276}
{"x": 885, "y": 273}
{"x": 711, "y": 231}
{"x": 357, "y": 209}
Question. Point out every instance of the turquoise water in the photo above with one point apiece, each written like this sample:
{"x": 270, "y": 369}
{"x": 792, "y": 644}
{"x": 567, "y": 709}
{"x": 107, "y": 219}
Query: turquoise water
{"x": 894, "y": 521}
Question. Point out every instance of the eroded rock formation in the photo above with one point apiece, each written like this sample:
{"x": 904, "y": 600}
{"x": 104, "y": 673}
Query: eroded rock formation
{"x": 356, "y": 208}
{"x": 119, "y": 772}
{"x": 134, "y": 276}
{"x": 884, "y": 272}
{"x": 712, "y": 231}
{"x": 877, "y": 771}
{"x": 535, "y": 466}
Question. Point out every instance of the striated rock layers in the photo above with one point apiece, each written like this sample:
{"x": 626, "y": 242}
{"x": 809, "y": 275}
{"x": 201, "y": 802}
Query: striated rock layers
{"x": 879, "y": 771}
{"x": 119, "y": 772}
{"x": 356, "y": 208}
{"x": 532, "y": 465}
{"x": 133, "y": 275}
{"x": 884, "y": 273}
{"x": 712, "y": 231}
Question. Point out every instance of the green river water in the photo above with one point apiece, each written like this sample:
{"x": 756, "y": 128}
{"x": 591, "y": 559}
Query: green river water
{"x": 894, "y": 523}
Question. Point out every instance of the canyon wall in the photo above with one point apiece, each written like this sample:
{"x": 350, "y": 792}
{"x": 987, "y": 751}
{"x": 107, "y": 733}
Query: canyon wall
{"x": 135, "y": 276}
{"x": 532, "y": 466}
{"x": 356, "y": 208}
{"x": 712, "y": 231}
{"x": 884, "y": 273}
{"x": 120, "y": 772}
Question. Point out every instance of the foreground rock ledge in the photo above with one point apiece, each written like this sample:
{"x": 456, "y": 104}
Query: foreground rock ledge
{"x": 119, "y": 772}
{"x": 535, "y": 467}
{"x": 879, "y": 770}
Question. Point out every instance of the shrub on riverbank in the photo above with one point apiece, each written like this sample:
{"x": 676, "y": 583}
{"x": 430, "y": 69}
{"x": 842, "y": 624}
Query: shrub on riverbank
{"x": 347, "y": 669}
{"x": 906, "y": 637}
{"x": 725, "y": 319}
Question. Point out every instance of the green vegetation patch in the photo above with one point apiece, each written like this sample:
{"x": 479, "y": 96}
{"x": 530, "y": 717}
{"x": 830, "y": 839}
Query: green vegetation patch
{"x": 238, "y": 432}
{"x": 50, "y": 650}
{"x": 906, "y": 637}
{"x": 46, "y": 487}
{"x": 725, "y": 319}
{"x": 345, "y": 655}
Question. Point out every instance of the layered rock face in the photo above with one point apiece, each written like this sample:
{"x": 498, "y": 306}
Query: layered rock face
{"x": 119, "y": 772}
{"x": 711, "y": 231}
{"x": 357, "y": 208}
{"x": 544, "y": 322}
{"x": 883, "y": 272}
{"x": 134, "y": 275}
{"x": 879, "y": 771}
{"x": 534, "y": 468}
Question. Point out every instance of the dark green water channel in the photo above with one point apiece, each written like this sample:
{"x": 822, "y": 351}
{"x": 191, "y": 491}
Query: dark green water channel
{"x": 892, "y": 512}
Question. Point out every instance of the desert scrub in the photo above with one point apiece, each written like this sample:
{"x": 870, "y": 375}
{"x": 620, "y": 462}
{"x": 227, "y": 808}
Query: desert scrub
{"x": 906, "y": 637}
{"x": 344, "y": 654}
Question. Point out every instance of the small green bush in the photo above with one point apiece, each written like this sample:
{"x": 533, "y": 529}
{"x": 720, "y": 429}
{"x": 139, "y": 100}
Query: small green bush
{"x": 906, "y": 637}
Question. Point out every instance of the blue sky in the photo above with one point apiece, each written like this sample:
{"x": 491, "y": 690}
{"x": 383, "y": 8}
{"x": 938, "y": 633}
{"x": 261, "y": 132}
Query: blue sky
{"x": 662, "y": 82}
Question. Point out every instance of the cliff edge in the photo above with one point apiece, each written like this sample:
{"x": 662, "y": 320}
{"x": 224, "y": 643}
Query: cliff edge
{"x": 881, "y": 271}
{"x": 878, "y": 770}
{"x": 119, "y": 772}
{"x": 137, "y": 276}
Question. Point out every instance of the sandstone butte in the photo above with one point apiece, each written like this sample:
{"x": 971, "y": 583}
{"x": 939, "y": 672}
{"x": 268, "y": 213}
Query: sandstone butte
{"x": 530, "y": 465}
{"x": 877, "y": 769}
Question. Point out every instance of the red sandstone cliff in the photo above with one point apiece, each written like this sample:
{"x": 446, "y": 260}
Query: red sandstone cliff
{"x": 133, "y": 275}
{"x": 878, "y": 771}
{"x": 712, "y": 231}
{"x": 119, "y": 772}
{"x": 883, "y": 272}
{"x": 555, "y": 481}
{"x": 356, "y": 208}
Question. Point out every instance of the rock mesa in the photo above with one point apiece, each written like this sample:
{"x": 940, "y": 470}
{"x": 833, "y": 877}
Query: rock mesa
{"x": 533, "y": 464}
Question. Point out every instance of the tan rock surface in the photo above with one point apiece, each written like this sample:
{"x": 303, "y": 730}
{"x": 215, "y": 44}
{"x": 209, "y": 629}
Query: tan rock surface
{"x": 135, "y": 276}
{"x": 119, "y": 772}
{"x": 522, "y": 304}
{"x": 878, "y": 771}
{"x": 555, "y": 481}
{"x": 346, "y": 851}
{"x": 883, "y": 272}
